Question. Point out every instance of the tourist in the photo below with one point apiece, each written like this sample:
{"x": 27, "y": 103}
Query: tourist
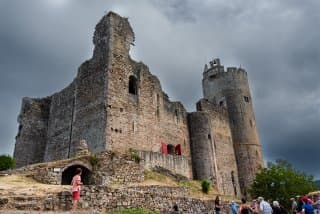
{"x": 175, "y": 209}
{"x": 217, "y": 205}
{"x": 277, "y": 208}
{"x": 307, "y": 208}
{"x": 255, "y": 206}
{"x": 264, "y": 206}
{"x": 316, "y": 204}
{"x": 76, "y": 187}
{"x": 234, "y": 207}
{"x": 244, "y": 208}
{"x": 300, "y": 203}
{"x": 294, "y": 206}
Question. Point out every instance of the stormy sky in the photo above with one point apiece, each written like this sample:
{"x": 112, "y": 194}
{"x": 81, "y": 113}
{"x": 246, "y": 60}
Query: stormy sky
{"x": 43, "y": 42}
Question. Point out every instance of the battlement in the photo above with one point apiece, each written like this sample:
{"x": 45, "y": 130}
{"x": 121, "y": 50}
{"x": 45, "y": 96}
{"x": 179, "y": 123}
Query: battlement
{"x": 216, "y": 70}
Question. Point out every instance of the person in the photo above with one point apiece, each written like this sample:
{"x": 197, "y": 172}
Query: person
{"x": 299, "y": 204}
{"x": 234, "y": 207}
{"x": 294, "y": 206}
{"x": 254, "y": 206}
{"x": 317, "y": 204}
{"x": 277, "y": 209}
{"x": 76, "y": 187}
{"x": 264, "y": 206}
{"x": 307, "y": 208}
{"x": 244, "y": 208}
{"x": 175, "y": 209}
{"x": 217, "y": 204}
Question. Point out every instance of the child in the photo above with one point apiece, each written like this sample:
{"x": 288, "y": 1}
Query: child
{"x": 76, "y": 187}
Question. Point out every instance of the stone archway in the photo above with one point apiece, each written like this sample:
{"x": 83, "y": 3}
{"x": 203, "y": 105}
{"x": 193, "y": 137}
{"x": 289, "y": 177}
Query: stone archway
{"x": 69, "y": 172}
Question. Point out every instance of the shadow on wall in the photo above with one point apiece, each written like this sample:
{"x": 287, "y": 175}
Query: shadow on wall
{"x": 69, "y": 172}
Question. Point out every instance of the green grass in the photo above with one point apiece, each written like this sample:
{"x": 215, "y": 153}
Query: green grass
{"x": 136, "y": 211}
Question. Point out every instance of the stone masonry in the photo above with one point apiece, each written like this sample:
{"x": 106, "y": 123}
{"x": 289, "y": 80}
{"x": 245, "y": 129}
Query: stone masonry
{"x": 116, "y": 104}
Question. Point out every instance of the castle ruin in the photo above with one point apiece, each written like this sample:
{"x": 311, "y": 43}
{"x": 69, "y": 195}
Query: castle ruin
{"x": 116, "y": 104}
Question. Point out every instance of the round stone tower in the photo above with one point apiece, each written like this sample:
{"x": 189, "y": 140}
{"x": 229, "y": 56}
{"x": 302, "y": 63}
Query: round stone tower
{"x": 231, "y": 89}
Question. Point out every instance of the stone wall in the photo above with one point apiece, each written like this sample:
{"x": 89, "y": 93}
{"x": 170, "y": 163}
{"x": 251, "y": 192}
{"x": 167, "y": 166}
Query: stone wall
{"x": 32, "y": 135}
{"x": 108, "y": 169}
{"x": 177, "y": 164}
{"x": 102, "y": 199}
{"x": 60, "y": 124}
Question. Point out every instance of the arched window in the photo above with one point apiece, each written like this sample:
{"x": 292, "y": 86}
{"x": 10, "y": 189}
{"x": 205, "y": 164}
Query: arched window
{"x": 133, "y": 85}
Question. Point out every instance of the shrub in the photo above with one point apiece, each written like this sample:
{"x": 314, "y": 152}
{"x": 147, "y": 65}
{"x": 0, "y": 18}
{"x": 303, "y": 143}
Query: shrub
{"x": 94, "y": 161}
{"x": 205, "y": 184}
{"x": 134, "y": 155}
{"x": 7, "y": 162}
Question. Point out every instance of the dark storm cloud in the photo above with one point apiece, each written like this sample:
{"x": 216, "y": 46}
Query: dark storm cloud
{"x": 43, "y": 43}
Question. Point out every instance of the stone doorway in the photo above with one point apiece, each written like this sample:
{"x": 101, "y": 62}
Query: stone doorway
{"x": 69, "y": 172}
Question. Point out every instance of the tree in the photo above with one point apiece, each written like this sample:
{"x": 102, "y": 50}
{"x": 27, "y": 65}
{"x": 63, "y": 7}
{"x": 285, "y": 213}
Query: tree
{"x": 279, "y": 181}
{"x": 7, "y": 162}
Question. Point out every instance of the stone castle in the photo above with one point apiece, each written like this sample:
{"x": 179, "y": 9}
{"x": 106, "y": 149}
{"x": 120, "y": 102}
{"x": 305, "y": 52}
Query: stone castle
{"x": 116, "y": 104}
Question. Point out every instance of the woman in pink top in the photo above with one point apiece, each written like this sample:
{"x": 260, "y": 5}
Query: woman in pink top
{"x": 76, "y": 187}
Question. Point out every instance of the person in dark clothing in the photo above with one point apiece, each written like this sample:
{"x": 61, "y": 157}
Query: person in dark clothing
{"x": 218, "y": 205}
{"x": 244, "y": 207}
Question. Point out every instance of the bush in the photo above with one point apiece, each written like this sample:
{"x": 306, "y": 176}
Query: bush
{"x": 206, "y": 185}
{"x": 134, "y": 155}
{"x": 94, "y": 161}
{"x": 136, "y": 211}
{"x": 7, "y": 162}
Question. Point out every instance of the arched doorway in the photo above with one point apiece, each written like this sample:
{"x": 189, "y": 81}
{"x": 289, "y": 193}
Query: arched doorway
{"x": 69, "y": 172}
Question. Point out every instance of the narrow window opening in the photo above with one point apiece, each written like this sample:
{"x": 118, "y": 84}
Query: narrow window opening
{"x": 177, "y": 115}
{"x": 171, "y": 149}
{"x": 246, "y": 99}
{"x": 121, "y": 109}
{"x": 212, "y": 77}
{"x": 251, "y": 124}
{"x": 209, "y": 136}
{"x": 133, "y": 85}
{"x": 221, "y": 103}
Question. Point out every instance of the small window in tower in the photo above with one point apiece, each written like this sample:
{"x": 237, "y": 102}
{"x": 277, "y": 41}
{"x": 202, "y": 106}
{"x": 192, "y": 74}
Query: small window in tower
{"x": 221, "y": 103}
{"x": 212, "y": 77}
{"x": 209, "y": 136}
{"x": 251, "y": 124}
{"x": 177, "y": 115}
{"x": 246, "y": 99}
{"x": 133, "y": 85}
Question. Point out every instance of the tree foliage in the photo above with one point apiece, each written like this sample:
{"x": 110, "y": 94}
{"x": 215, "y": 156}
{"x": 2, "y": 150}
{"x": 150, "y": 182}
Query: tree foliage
{"x": 279, "y": 181}
{"x": 6, "y": 162}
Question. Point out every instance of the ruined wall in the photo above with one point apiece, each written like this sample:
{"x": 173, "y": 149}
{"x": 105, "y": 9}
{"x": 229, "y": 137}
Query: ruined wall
{"x": 177, "y": 164}
{"x": 231, "y": 89}
{"x": 32, "y": 136}
{"x": 142, "y": 118}
{"x": 60, "y": 124}
{"x": 221, "y": 140}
